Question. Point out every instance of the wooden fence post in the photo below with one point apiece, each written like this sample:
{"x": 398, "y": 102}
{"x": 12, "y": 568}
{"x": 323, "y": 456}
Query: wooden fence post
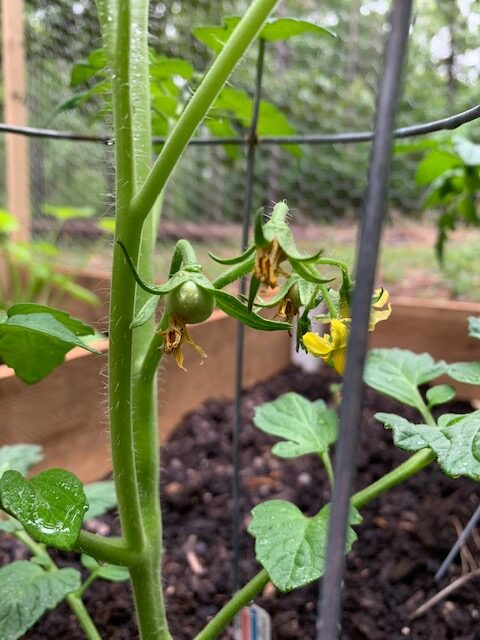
{"x": 15, "y": 112}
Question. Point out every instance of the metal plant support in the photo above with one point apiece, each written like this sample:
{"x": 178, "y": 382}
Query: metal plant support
{"x": 374, "y": 208}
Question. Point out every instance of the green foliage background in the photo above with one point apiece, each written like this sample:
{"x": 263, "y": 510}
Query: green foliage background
{"x": 322, "y": 85}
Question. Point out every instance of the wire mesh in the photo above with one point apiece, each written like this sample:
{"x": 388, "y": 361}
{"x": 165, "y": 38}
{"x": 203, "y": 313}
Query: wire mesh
{"x": 339, "y": 96}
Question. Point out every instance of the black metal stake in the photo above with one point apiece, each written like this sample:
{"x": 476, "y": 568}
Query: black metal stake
{"x": 237, "y": 415}
{"x": 350, "y": 411}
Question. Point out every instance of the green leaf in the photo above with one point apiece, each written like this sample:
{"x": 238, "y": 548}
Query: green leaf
{"x": 68, "y": 213}
{"x": 163, "y": 68}
{"x": 101, "y": 497}
{"x": 398, "y": 373}
{"x": 50, "y": 506}
{"x": 27, "y": 591}
{"x": 434, "y": 165}
{"x": 110, "y": 572}
{"x": 466, "y": 372}
{"x": 19, "y": 457}
{"x": 306, "y": 427}
{"x": 291, "y": 546}
{"x": 285, "y": 28}
{"x": 233, "y": 307}
{"x": 252, "y": 291}
{"x": 236, "y": 260}
{"x": 78, "y": 327}
{"x": 456, "y": 444}
{"x": 33, "y": 344}
{"x": 440, "y": 394}
{"x": 145, "y": 313}
{"x": 214, "y": 37}
{"x": 308, "y": 272}
{"x": 474, "y": 327}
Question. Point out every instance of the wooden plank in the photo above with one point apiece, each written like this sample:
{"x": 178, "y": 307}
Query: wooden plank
{"x": 67, "y": 412}
{"x": 15, "y": 112}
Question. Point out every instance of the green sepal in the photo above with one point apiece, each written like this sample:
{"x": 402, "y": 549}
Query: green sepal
{"x": 145, "y": 313}
{"x": 50, "y": 506}
{"x": 307, "y": 271}
{"x": 234, "y": 273}
{"x": 233, "y": 307}
{"x": 276, "y": 299}
{"x": 259, "y": 238}
{"x": 252, "y": 292}
{"x": 236, "y": 260}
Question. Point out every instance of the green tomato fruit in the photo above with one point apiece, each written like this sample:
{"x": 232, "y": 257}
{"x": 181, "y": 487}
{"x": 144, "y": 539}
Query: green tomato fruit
{"x": 189, "y": 303}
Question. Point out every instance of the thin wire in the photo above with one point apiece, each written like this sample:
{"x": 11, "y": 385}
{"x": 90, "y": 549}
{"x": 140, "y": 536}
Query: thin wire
{"x": 237, "y": 415}
{"x": 445, "y": 124}
{"x": 350, "y": 411}
{"x": 472, "y": 523}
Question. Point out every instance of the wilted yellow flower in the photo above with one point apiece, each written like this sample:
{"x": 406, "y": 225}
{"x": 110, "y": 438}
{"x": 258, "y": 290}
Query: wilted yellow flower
{"x": 378, "y": 312}
{"x": 267, "y": 263}
{"x": 174, "y": 337}
{"x": 332, "y": 348}
{"x": 289, "y": 305}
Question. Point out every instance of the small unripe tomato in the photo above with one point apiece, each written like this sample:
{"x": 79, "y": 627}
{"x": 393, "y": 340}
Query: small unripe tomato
{"x": 189, "y": 303}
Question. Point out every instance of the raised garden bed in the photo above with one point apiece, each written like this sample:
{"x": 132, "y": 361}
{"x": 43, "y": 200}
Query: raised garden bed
{"x": 66, "y": 412}
{"x": 402, "y": 540}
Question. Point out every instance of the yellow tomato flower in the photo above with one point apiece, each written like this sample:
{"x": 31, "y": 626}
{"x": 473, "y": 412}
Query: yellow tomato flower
{"x": 378, "y": 312}
{"x": 267, "y": 263}
{"x": 174, "y": 338}
{"x": 332, "y": 348}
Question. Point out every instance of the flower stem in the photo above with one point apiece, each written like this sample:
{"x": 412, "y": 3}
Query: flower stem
{"x": 328, "y": 301}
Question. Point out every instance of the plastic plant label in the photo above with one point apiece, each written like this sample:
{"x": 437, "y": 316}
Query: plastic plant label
{"x": 253, "y": 623}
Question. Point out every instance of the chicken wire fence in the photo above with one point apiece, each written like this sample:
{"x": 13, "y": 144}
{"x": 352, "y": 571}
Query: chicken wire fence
{"x": 321, "y": 85}
{"x": 210, "y": 183}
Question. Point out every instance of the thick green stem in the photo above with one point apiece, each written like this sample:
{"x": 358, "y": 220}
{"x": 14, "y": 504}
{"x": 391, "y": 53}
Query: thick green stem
{"x": 409, "y": 468}
{"x": 111, "y": 550}
{"x": 200, "y": 103}
{"x": 122, "y": 299}
{"x": 74, "y": 600}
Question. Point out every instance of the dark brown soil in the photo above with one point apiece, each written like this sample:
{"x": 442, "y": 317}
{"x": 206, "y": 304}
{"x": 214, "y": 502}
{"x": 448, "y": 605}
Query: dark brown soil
{"x": 402, "y": 540}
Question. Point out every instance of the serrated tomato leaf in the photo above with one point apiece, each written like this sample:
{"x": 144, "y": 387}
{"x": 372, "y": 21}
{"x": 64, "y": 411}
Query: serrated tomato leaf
{"x": 101, "y": 497}
{"x": 19, "y": 457}
{"x": 27, "y": 591}
{"x": 110, "y": 572}
{"x": 305, "y": 426}
{"x": 466, "y": 372}
{"x": 291, "y": 546}
{"x": 440, "y": 394}
{"x": 455, "y": 442}
{"x": 50, "y": 506}
{"x": 398, "y": 373}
